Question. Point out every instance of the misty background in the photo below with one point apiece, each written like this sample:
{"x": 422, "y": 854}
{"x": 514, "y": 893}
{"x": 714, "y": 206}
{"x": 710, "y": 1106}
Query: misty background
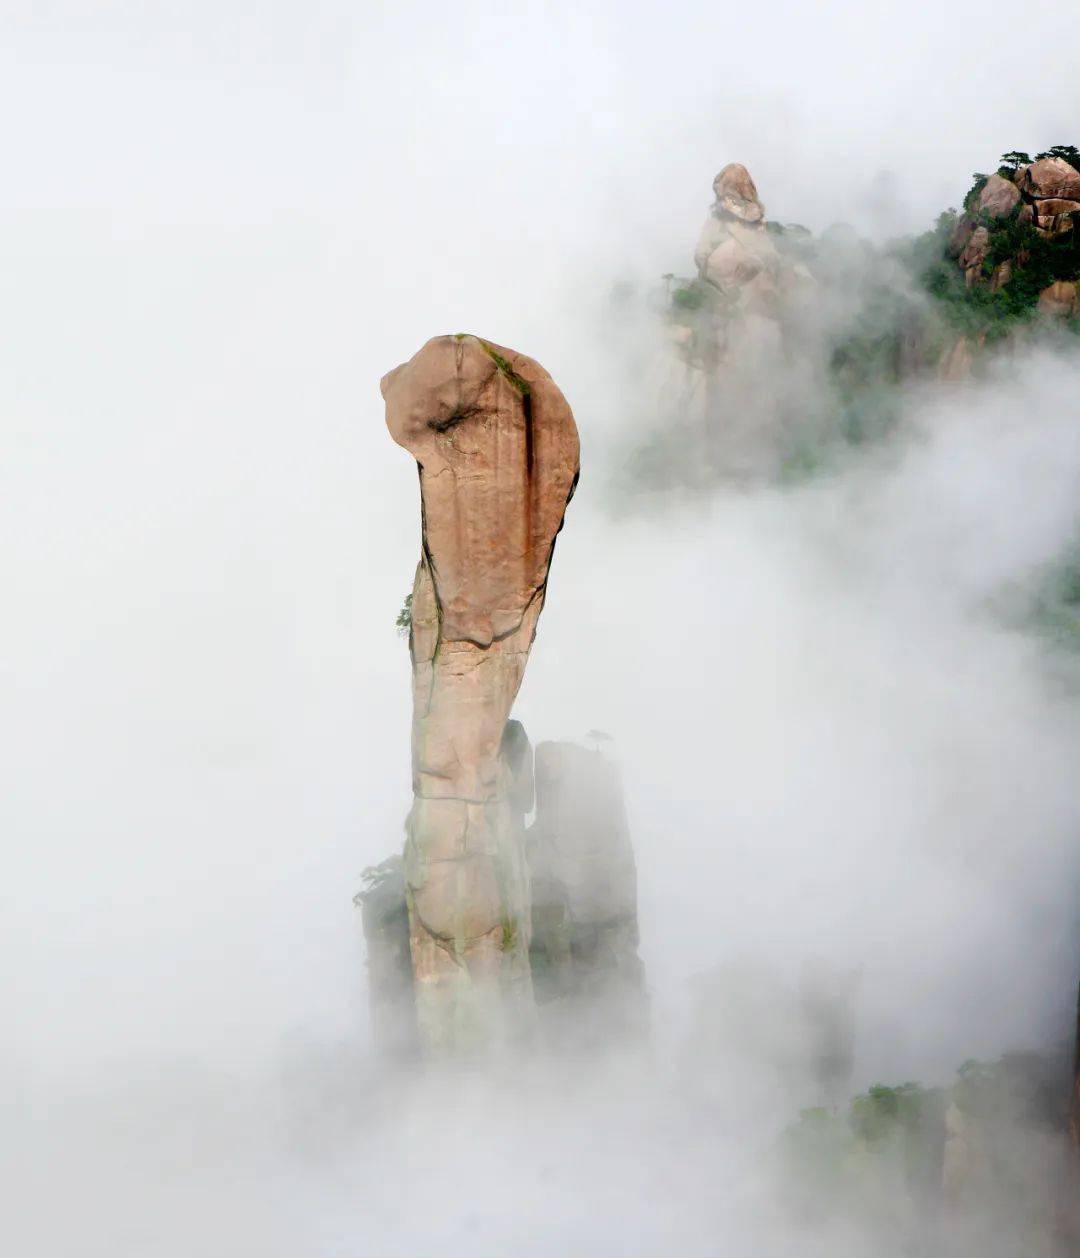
{"x": 221, "y": 224}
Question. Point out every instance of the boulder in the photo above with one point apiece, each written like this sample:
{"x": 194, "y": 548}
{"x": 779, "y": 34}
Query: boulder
{"x": 731, "y": 264}
{"x": 999, "y": 197}
{"x": 733, "y": 246}
{"x": 737, "y": 195}
{"x": 1054, "y": 206}
{"x": 1051, "y": 177}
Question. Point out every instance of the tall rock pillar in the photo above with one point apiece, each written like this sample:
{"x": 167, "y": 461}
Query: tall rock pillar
{"x": 497, "y": 450}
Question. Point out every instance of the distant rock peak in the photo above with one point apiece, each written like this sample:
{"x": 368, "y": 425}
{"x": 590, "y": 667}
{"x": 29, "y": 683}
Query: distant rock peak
{"x": 737, "y": 195}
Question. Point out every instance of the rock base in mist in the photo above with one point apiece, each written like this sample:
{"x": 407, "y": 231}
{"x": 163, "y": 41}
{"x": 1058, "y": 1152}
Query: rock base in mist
{"x": 587, "y": 977}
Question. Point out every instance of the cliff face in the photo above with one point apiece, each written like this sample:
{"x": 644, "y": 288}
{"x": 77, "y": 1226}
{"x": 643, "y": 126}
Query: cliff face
{"x": 497, "y": 451}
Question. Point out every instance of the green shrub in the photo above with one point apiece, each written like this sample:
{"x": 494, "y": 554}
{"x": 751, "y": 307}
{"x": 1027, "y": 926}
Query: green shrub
{"x": 403, "y": 623}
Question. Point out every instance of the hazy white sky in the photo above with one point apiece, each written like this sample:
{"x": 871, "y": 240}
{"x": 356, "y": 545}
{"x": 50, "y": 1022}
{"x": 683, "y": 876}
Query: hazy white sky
{"x": 431, "y": 116}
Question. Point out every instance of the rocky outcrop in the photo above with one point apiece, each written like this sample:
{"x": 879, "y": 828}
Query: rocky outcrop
{"x": 1047, "y": 193}
{"x": 1050, "y": 188}
{"x": 999, "y": 197}
{"x": 1042, "y": 198}
{"x": 737, "y": 195}
{"x": 784, "y": 342}
{"x": 1049, "y": 178}
{"x": 970, "y": 240}
{"x": 738, "y": 328}
{"x": 588, "y": 977}
{"x": 734, "y": 254}
{"x": 497, "y": 450}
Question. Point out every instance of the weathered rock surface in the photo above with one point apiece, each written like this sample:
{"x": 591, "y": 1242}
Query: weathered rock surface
{"x": 497, "y": 450}
{"x": 974, "y": 253}
{"x": 969, "y": 239}
{"x": 1050, "y": 177}
{"x": 1050, "y": 188}
{"x": 734, "y": 253}
{"x": 736, "y": 193}
{"x": 1045, "y": 195}
{"x": 999, "y": 196}
{"x": 1053, "y": 207}
{"x": 581, "y": 903}
{"x": 960, "y": 235}
{"x": 586, "y": 971}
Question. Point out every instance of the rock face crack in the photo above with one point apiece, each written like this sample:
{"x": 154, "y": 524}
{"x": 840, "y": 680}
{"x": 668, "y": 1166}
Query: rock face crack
{"x": 497, "y": 451}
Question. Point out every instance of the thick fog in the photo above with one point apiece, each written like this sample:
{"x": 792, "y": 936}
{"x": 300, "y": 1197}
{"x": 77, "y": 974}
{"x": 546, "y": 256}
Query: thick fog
{"x": 220, "y": 226}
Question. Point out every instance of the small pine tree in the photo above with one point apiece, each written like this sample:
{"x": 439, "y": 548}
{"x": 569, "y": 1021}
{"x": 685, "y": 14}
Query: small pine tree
{"x": 1014, "y": 159}
{"x": 404, "y": 617}
{"x": 1067, "y": 152}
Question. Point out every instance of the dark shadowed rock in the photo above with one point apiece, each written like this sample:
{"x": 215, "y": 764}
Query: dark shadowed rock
{"x": 586, "y": 970}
